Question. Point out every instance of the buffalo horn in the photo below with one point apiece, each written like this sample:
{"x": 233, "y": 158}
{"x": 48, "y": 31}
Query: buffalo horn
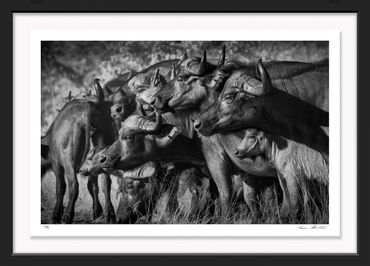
{"x": 221, "y": 61}
{"x": 172, "y": 72}
{"x": 69, "y": 96}
{"x": 145, "y": 125}
{"x": 99, "y": 91}
{"x": 203, "y": 64}
{"x": 156, "y": 78}
{"x": 266, "y": 81}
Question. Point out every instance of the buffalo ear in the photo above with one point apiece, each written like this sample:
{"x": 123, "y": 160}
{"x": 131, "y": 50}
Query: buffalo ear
{"x": 221, "y": 61}
{"x": 69, "y": 97}
{"x": 45, "y": 140}
{"x": 216, "y": 81}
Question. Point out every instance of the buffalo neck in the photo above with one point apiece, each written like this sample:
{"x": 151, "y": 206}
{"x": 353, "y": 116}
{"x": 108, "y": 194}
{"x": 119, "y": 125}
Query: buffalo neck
{"x": 290, "y": 117}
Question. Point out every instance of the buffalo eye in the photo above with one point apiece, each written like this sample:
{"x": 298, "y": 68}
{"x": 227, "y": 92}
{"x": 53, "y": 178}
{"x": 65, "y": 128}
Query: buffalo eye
{"x": 179, "y": 79}
{"x": 229, "y": 98}
{"x": 141, "y": 185}
{"x": 130, "y": 186}
{"x": 252, "y": 137}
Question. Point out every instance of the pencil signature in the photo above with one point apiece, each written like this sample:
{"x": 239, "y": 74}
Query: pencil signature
{"x": 315, "y": 226}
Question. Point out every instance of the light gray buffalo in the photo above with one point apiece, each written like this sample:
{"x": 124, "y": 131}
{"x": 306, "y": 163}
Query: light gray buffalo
{"x": 296, "y": 165}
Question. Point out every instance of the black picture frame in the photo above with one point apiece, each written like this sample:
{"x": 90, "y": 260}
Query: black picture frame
{"x": 332, "y": 6}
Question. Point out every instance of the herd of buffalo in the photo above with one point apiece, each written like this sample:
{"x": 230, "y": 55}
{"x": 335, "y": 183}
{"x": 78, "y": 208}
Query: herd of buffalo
{"x": 181, "y": 121}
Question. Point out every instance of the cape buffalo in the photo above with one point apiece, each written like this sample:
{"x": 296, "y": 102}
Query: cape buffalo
{"x": 136, "y": 145}
{"x": 296, "y": 164}
{"x": 294, "y": 107}
{"x": 65, "y": 146}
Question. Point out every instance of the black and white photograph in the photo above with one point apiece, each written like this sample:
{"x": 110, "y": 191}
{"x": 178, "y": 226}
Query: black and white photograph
{"x": 185, "y": 132}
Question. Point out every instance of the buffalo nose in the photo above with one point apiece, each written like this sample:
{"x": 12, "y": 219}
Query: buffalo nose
{"x": 119, "y": 109}
{"x": 83, "y": 172}
{"x": 153, "y": 101}
{"x": 103, "y": 159}
{"x": 197, "y": 124}
{"x": 236, "y": 152}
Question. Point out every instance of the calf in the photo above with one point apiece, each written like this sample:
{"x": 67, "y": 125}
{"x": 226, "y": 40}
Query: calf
{"x": 65, "y": 146}
{"x": 296, "y": 164}
{"x": 157, "y": 196}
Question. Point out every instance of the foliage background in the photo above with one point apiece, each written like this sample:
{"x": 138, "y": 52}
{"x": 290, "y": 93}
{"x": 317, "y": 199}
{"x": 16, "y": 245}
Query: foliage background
{"x": 72, "y": 66}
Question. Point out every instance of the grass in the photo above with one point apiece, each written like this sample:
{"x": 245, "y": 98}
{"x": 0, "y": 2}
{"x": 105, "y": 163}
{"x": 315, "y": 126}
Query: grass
{"x": 189, "y": 211}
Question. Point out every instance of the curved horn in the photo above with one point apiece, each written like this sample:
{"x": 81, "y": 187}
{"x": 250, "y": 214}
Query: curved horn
{"x": 221, "y": 61}
{"x": 99, "y": 91}
{"x": 266, "y": 80}
{"x": 172, "y": 72}
{"x": 149, "y": 126}
{"x": 140, "y": 124}
{"x": 184, "y": 57}
{"x": 69, "y": 96}
{"x": 147, "y": 170}
{"x": 168, "y": 139}
{"x": 251, "y": 85}
{"x": 156, "y": 78}
{"x": 203, "y": 64}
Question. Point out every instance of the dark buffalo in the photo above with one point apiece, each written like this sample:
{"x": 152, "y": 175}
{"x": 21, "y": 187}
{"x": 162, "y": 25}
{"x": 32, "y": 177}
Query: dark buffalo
{"x": 65, "y": 146}
{"x": 294, "y": 107}
{"x": 137, "y": 145}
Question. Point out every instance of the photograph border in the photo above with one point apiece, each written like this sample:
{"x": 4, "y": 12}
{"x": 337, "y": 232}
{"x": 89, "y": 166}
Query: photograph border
{"x": 332, "y": 229}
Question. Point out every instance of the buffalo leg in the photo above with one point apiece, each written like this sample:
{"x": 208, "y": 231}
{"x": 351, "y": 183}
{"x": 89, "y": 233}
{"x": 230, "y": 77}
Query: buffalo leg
{"x": 285, "y": 205}
{"x": 109, "y": 214}
{"x": 219, "y": 168}
{"x": 293, "y": 195}
{"x": 92, "y": 186}
{"x": 73, "y": 195}
{"x": 222, "y": 177}
{"x": 250, "y": 197}
{"x": 60, "y": 187}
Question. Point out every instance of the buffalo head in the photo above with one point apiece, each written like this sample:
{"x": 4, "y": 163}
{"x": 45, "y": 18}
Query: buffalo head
{"x": 237, "y": 103}
{"x": 135, "y": 145}
{"x": 253, "y": 144}
{"x": 187, "y": 88}
{"x": 145, "y": 80}
{"x": 136, "y": 191}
